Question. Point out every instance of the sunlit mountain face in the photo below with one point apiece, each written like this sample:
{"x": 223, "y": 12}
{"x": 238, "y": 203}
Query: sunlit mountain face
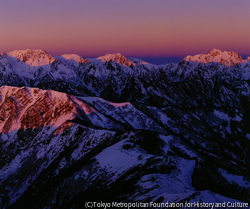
{"x": 118, "y": 129}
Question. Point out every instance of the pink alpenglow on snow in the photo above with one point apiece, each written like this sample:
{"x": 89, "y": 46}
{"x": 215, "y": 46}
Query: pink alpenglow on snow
{"x": 217, "y": 56}
{"x": 75, "y": 58}
{"x": 117, "y": 58}
{"x": 33, "y": 58}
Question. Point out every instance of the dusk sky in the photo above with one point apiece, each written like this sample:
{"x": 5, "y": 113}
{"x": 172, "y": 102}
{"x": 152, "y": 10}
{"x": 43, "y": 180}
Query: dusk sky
{"x": 142, "y": 28}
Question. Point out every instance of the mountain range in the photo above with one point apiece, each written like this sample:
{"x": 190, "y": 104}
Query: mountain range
{"x": 74, "y": 129}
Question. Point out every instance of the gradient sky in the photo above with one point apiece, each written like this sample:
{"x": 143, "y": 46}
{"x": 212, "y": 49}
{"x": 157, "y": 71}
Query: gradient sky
{"x": 142, "y": 28}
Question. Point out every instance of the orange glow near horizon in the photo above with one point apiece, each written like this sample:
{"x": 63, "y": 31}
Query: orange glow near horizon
{"x": 133, "y": 28}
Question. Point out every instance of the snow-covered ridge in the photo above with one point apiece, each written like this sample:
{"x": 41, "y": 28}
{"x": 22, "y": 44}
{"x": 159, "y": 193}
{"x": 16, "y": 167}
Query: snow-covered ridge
{"x": 75, "y": 58}
{"x": 23, "y": 108}
{"x": 117, "y": 58}
{"x": 215, "y": 55}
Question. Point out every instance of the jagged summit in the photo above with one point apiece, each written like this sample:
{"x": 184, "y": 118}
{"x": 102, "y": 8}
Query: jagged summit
{"x": 119, "y": 58}
{"x": 217, "y": 56}
{"x": 36, "y": 57}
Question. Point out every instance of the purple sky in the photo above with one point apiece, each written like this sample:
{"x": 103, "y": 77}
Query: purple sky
{"x": 142, "y": 28}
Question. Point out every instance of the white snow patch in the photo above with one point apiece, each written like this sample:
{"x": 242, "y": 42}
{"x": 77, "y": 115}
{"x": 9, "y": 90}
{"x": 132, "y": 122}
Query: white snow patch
{"x": 13, "y": 166}
{"x": 186, "y": 168}
{"x": 203, "y": 144}
{"x": 221, "y": 115}
{"x": 232, "y": 178}
{"x": 166, "y": 139}
{"x": 117, "y": 160}
{"x": 248, "y": 136}
{"x": 225, "y": 116}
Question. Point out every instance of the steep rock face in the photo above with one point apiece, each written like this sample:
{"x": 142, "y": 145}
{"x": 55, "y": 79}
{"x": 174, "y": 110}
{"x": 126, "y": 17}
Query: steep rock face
{"x": 38, "y": 108}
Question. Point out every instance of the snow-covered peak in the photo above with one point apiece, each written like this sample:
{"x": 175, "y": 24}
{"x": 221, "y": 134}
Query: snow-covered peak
{"x": 138, "y": 61}
{"x": 36, "y": 57}
{"x": 75, "y": 58}
{"x": 117, "y": 58}
{"x": 217, "y": 56}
